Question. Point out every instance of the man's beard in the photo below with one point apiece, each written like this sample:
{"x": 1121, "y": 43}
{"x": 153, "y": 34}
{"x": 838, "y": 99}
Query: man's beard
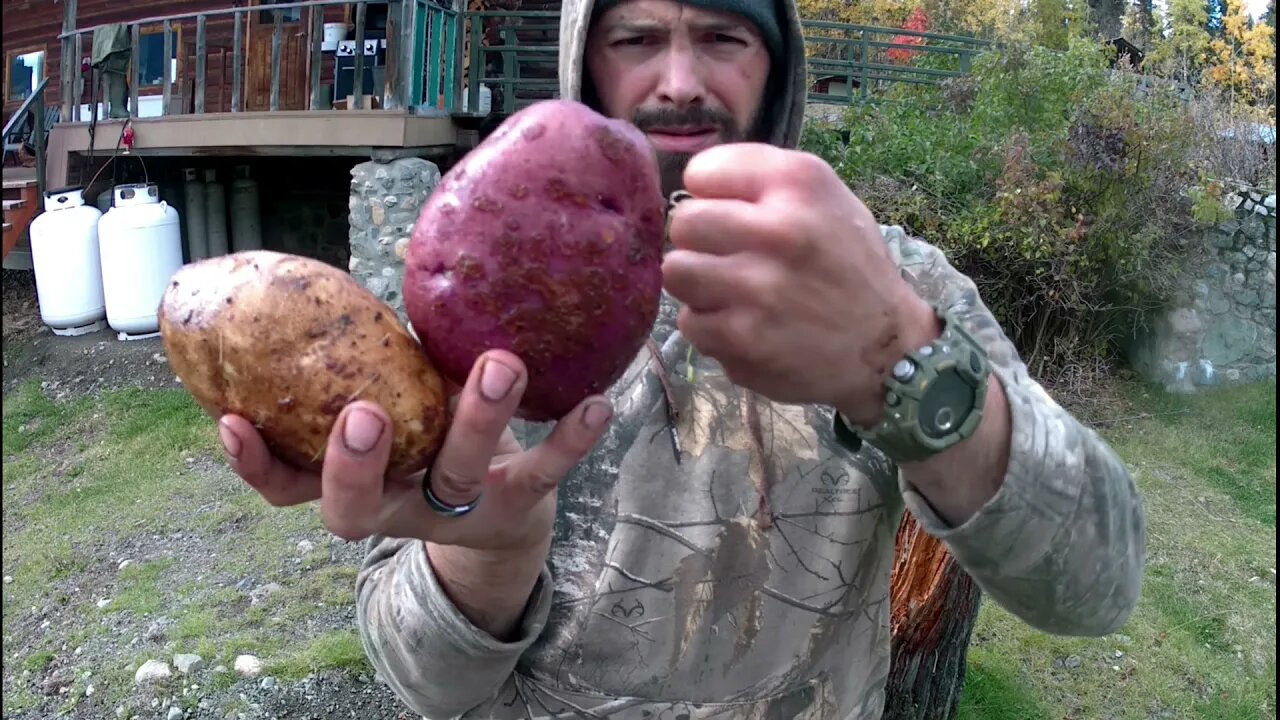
{"x": 671, "y": 165}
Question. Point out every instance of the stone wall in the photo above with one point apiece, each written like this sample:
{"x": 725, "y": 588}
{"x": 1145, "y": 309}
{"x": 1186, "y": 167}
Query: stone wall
{"x": 1222, "y": 330}
{"x": 385, "y": 201}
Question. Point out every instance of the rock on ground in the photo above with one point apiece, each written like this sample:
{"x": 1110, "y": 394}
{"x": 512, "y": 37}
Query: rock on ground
{"x": 152, "y": 671}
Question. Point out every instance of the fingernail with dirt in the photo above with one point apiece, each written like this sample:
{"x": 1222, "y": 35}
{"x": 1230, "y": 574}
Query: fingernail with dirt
{"x": 361, "y": 431}
{"x": 596, "y": 415}
{"x": 230, "y": 442}
{"x": 496, "y": 380}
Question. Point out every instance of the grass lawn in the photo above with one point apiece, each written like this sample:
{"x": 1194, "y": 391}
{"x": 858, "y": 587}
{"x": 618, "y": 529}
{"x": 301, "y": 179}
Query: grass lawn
{"x": 137, "y": 474}
{"x": 1201, "y": 643}
{"x": 125, "y": 500}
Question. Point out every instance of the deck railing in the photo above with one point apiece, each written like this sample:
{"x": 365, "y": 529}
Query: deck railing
{"x": 401, "y": 88}
{"x": 32, "y": 106}
{"x": 438, "y": 58}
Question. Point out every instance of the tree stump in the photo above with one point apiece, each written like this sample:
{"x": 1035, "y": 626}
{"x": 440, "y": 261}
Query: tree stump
{"x": 933, "y": 607}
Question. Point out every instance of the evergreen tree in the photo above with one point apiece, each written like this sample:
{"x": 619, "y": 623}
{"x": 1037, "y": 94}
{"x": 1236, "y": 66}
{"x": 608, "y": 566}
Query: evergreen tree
{"x": 1215, "y": 10}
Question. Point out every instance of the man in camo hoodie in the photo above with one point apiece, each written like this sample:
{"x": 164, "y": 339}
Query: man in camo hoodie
{"x": 721, "y": 548}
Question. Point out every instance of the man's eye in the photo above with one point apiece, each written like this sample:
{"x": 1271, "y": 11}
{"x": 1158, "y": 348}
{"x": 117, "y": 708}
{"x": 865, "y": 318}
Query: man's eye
{"x": 637, "y": 40}
{"x": 721, "y": 38}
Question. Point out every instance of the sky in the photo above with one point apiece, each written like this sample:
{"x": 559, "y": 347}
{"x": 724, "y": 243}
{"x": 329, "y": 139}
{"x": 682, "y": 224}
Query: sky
{"x": 1255, "y": 7}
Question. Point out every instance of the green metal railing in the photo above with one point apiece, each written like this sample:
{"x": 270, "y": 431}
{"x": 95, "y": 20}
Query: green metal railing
{"x": 436, "y": 36}
{"x": 517, "y": 59}
{"x": 867, "y": 58}
{"x": 847, "y": 63}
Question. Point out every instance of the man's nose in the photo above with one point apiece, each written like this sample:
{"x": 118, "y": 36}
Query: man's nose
{"x": 681, "y": 83}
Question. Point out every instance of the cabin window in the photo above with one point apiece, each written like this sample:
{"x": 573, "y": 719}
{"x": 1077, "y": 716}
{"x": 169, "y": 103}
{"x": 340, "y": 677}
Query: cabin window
{"x": 151, "y": 64}
{"x": 24, "y": 70}
{"x": 289, "y": 15}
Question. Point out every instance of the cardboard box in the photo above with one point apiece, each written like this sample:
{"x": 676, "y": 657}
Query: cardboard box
{"x": 369, "y": 102}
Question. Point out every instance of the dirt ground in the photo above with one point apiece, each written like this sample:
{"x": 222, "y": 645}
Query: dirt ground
{"x": 32, "y": 349}
{"x": 59, "y": 647}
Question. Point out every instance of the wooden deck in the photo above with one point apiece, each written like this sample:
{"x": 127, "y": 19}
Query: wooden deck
{"x": 337, "y": 133}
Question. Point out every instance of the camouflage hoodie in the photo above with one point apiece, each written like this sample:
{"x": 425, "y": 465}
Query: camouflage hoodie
{"x": 751, "y": 578}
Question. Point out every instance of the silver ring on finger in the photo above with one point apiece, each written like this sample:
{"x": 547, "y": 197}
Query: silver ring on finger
{"x": 443, "y": 508}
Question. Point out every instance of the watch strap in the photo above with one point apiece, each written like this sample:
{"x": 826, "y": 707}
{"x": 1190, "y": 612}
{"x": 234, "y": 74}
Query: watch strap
{"x": 934, "y": 398}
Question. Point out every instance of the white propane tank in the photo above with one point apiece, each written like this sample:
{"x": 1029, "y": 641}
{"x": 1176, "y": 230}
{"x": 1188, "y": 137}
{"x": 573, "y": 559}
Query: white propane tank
{"x": 197, "y": 239}
{"x": 246, "y": 217}
{"x": 68, "y": 270}
{"x": 486, "y": 99}
{"x": 141, "y": 249}
{"x": 215, "y": 214}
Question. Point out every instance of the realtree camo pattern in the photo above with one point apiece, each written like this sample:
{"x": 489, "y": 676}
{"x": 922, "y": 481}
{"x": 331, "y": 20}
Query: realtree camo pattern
{"x": 751, "y": 580}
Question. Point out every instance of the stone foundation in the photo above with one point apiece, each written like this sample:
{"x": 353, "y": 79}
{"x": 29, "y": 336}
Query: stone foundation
{"x": 311, "y": 224}
{"x": 1223, "y": 329}
{"x": 385, "y": 201}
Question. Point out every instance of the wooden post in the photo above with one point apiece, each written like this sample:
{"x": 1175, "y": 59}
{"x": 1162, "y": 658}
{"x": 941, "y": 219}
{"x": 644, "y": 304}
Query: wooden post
{"x": 201, "y": 63}
{"x": 277, "y": 35}
{"x": 357, "y": 80}
{"x": 168, "y": 68}
{"x": 317, "y": 57}
{"x": 37, "y": 141}
{"x": 414, "y": 19}
{"x": 222, "y": 78}
{"x": 459, "y": 28}
{"x": 78, "y": 49}
{"x": 394, "y": 93}
{"x": 69, "y": 69}
{"x": 237, "y": 61}
{"x": 865, "y": 50}
{"x": 135, "y": 65}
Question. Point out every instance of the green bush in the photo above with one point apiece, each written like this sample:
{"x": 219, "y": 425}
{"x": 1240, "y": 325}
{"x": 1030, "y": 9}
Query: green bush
{"x": 1043, "y": 177}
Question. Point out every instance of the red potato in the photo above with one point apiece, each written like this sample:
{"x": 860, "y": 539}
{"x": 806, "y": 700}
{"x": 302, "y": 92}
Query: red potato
{"x": 545, "y": 240}
{"x": 287, "y": 342}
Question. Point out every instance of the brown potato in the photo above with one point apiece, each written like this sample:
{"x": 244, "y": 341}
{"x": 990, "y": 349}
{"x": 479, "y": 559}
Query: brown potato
{"x": 287, "y": 342}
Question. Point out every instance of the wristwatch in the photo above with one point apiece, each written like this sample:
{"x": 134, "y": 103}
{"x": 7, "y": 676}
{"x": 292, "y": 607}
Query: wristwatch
{"x": 934, "y": 398}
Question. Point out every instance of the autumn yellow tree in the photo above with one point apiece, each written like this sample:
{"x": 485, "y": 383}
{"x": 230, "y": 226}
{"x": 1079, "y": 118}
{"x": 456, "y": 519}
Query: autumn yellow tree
{"x": 1242, "y": 61}
{"x": 983, "y": 18}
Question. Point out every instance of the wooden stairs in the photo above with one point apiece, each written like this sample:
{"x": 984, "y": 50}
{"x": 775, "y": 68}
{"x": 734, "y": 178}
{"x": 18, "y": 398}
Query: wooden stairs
{"x": 21, "y": 198}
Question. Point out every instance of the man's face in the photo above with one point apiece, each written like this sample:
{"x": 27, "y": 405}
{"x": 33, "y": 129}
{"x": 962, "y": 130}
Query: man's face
{"x": 689, "y": 78}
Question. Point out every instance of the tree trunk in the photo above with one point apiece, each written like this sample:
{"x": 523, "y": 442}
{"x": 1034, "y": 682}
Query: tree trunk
{"x": 933, "y": 607}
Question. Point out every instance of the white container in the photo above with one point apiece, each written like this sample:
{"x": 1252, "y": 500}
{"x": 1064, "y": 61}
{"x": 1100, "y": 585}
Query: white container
{"x": 68, "y": 270}
{"x": 197, "y": 234}
{"x": 140, "y": 244}
{"x": 215, "y": 214}
{"x": 246, "y": 215}
{"x": 334, "y": 33}
{"x": 486, "y": 100}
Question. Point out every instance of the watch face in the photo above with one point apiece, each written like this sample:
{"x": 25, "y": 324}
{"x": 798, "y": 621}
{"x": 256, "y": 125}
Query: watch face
{"x": 946, "y": 404}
